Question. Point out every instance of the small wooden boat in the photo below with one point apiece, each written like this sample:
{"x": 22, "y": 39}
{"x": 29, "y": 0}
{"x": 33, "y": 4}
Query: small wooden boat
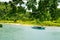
{"x": 38, "y": 27}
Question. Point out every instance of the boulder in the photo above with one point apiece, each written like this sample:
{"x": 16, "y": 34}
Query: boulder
{"x": 0, "y": 25}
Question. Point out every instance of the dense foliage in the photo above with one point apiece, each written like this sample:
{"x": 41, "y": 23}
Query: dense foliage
{"x": 45, "y": 11}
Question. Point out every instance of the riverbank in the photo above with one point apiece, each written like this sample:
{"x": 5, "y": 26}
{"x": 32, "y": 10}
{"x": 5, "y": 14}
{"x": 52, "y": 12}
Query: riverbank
{"x": 31, "y": 23}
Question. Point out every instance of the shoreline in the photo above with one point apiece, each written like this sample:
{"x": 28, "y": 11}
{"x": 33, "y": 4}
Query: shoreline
{"x": 28, "y": 24}
{"x": 31, "y": 23}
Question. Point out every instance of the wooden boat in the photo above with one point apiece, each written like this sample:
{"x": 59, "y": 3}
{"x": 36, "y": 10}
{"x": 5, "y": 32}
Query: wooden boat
{"x": 38, "y": 27}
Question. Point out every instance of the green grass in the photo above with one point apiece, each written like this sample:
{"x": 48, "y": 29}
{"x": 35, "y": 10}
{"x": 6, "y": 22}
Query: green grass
{"x": 44, "y": 23}
{"x": 50, "y": 23}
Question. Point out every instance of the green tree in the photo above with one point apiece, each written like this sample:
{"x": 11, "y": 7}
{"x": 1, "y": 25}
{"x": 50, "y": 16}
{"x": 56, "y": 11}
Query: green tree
{"x": 31, "y": 5}
{"x": 53, "y": 9}
{"x": 43, "y": 9}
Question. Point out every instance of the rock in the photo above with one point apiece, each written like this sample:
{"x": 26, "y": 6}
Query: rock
{"x": 0, "y": 25}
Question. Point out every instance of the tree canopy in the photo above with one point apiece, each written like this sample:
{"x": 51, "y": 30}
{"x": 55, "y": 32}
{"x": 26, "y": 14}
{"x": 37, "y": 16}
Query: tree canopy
{"x": 44, "y": 10}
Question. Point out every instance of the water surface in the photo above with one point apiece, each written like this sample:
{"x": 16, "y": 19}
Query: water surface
{"x": 19, "y": 32}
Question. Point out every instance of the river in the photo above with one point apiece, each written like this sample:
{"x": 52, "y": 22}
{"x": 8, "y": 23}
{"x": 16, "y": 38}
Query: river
{"x": 19, "y": 32}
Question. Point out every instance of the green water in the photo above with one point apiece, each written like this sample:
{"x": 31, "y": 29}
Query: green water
{"x": 18, "y": 32}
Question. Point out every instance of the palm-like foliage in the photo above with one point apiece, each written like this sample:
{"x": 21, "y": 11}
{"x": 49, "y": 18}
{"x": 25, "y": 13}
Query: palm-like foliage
{"x": 31, "y": 4}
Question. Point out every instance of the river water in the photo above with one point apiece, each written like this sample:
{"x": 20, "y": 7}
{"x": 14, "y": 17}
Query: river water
{"x": 19, "y": 32}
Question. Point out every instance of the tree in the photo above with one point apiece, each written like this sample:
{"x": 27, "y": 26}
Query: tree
{"x": 53, "y": 9}
{"x": 31, "y": 5}
{"x": 43, "y": 9}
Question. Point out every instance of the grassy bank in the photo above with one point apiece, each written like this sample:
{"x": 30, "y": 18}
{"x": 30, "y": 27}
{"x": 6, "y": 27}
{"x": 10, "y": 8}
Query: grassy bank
{"x": 44, "y": 23}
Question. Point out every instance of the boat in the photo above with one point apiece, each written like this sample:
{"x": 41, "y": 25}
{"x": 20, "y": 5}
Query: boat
{"x": 39, "y": 27}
